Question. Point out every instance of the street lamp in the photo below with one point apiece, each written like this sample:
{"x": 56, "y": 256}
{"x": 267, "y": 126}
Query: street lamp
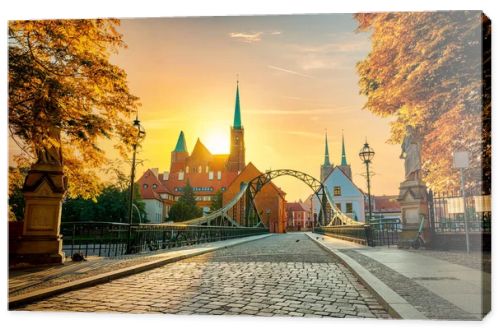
{"x": 366, "y": 155}
{"x": 140, "y": 134}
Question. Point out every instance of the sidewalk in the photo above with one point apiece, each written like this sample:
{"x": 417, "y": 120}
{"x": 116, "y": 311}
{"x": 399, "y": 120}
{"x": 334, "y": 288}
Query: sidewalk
{"x": 436, "y": 288}
{"x": 30, "y": 284}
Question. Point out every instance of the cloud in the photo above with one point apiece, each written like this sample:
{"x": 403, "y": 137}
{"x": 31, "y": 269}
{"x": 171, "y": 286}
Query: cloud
{"x": 289, "y": 71}
{"x": 253, "y": 37}
{"x": 247, "y": 37}
{"x": 341, "y": 54}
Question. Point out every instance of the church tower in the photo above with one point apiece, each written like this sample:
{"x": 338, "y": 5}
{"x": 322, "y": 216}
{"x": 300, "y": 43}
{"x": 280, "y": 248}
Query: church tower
{"x": 236, "y": 161}
{"x": 346, "y": 168}
{"x": 179, "y": 155}
{"x": 326, "y": 167}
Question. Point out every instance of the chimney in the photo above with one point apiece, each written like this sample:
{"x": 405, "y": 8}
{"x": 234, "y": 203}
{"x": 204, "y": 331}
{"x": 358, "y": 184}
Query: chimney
{"x": 165, "y": 175}
{"x": 155, "y": 171}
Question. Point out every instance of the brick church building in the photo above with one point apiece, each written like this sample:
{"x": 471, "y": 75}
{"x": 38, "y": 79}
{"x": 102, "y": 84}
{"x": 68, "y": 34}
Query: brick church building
{"x": 207, "y": 173}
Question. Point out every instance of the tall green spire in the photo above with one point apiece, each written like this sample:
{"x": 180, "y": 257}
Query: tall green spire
{"x": 344, "y": 159}
{"x": 237, "y": 111}
{"x": 327, "y": 155}
{"x": 181, "y": 143}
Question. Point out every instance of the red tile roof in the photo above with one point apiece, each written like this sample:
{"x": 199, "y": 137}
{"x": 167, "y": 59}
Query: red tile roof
{"x": 152, "y": 181}
{"x": 386, "y": 204}
{"x": 296, "y": 206}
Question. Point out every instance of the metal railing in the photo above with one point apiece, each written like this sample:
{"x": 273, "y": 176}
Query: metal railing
{"x": 108, "y": 239}
{"x": 374, "y": 234}
{"x": 356, "y": 233}
{"x": 384, "y": 233}
{"x": 449, "y": 211}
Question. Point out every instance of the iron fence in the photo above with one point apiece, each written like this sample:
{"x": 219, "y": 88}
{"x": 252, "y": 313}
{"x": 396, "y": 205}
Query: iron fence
{"x": 384, "y": 233}
{"x": 109, "y": 239}
{"x": 449, "y": 212}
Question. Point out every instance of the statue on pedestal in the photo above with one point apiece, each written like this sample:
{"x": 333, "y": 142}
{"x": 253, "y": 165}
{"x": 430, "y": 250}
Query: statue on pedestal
{"x": 410, "y": 151}
{"x": 412, "y": 191}
{"x": 43, "y": 189}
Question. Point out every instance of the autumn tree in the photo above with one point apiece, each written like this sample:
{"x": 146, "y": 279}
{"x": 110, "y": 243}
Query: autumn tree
{"x": 432, "y": 70}
{"x": 185, "y": 208}
{"x": 60, "y": 77}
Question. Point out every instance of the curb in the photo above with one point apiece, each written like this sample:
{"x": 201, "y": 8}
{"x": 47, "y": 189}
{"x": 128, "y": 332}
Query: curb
{"x": 36, "y": 295}
{"x": 396, "y": 305}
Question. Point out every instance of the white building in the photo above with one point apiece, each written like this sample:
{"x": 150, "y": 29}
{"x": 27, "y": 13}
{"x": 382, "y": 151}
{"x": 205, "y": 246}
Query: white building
{"x": 347, "y": 197}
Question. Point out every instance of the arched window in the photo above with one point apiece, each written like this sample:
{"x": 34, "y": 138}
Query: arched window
{"x": 187, "y": 169}
{"x": 199, "y": 169}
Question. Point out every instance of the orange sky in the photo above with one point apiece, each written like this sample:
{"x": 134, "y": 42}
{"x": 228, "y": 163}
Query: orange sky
{"x": 297, "y": 78}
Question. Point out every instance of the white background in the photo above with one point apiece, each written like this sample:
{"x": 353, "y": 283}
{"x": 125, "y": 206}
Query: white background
{"x": 22, "y": 322}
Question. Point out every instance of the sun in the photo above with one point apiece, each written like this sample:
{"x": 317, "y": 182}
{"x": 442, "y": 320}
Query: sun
{"x": 217, "y": 142}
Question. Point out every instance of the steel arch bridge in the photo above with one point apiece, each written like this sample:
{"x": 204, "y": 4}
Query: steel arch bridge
{"x": 329, "y": 214}
{"x": 218, "y": 225}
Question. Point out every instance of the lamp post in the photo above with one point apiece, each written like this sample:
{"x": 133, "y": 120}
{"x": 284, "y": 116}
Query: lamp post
{"x": 141, "y": 133}
{"x": 366, "y": 155}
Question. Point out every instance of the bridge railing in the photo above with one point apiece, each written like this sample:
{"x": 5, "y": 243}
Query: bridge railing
{"x": 359, "y": 233}
{"x": 108, "y": 239}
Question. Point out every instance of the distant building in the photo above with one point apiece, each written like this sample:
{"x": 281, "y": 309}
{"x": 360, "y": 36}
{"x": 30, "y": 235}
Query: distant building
{"x": 207, "y": 173}
{"x": 157, "y": 198}
{"x": 299, "y": 216}
{"x": 385, "y": 206}
{"x": 270, "y": 201}
{"x": 326, "y": 167}
{"x": 347, "y": 197}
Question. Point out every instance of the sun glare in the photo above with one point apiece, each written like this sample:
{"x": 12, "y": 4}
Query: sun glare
{"x": 217, "y": 142}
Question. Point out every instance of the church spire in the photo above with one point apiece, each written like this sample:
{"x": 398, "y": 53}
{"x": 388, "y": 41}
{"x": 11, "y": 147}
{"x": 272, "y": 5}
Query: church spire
{"x": 237, "y": 111}
{"x": 343, "y": 159}
{"x": 327, "y": 155}
{"x": 181, "y": 143}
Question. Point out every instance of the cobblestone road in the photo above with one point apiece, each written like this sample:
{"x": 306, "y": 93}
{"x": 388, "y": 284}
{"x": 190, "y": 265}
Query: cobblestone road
{"x": 283, "y": 275}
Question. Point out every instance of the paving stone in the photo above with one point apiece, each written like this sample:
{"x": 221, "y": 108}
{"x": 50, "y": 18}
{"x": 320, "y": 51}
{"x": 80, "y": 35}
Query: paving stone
{"x": 275, "y": 276}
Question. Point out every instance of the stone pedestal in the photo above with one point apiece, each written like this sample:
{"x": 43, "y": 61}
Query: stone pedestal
{"x": 414, "y": 205}
{"x": 40, "y": 241}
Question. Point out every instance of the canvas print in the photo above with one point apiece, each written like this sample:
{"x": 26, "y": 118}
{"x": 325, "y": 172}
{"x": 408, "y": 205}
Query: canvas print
{"x": 332, "y": 165}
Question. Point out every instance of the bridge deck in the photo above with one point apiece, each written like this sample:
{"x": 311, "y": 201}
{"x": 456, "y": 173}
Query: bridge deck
{"x": 279, "y": 275}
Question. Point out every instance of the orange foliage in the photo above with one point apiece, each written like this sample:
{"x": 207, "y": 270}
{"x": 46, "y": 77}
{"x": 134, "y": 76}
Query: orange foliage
{"x": 427, "y": 70}
{"x": 65, "y": 64}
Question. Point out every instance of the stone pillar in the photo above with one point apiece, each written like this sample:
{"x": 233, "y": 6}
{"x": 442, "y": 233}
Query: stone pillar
{"x": 40, "y": 241}
{"x": 414, "y": 205}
